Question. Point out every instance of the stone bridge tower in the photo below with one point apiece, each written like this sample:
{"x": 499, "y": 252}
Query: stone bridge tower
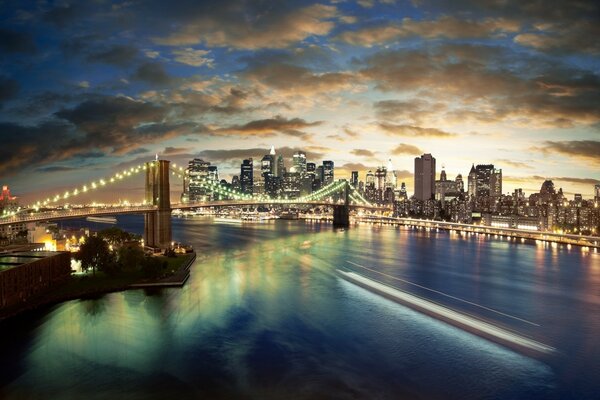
{"x": 157, "y": 227}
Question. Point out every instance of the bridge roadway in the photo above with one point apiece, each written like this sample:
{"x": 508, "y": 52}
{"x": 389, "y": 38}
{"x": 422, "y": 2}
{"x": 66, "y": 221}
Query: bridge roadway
{"x": 579, "y": 240}
{"x": 24, "y": 217}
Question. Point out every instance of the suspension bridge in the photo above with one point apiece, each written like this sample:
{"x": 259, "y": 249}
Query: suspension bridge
{"x": 156, "y": 205}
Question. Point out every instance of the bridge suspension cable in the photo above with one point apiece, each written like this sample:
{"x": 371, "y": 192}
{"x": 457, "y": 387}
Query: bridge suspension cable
{"x": 85, "y": 188}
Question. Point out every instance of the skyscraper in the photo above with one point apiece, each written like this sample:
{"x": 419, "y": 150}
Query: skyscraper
{"x": 380, "y": 179}
{"x": 424, "y": 177}
{"x": 280, "y": 166}
{"x": 246, "y": 176}
{"x": 597, "y": 192}
{"x": 328, "y": 172}
{"x": 268, "y": 174}
{"x": 267, "y": 164}
{"x": 198, "y": 173}
{"x": 299, "y": 163}
{"x": 391, "y": 180}
{"x": 496, "y": 183}
{"x": 460, "y": 186}
{"x": 472, "y": 182}
{"x": 354, "y": 179}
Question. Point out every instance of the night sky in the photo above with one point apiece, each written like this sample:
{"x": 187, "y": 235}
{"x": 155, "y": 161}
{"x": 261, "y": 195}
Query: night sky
{"x": 87, "y": 88}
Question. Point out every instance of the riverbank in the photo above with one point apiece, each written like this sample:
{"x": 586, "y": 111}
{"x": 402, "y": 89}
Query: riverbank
{"x": 89, "y": 286}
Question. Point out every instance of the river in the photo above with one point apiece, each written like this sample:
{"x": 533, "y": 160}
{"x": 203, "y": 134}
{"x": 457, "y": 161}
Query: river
{"x": 264, "y": 315}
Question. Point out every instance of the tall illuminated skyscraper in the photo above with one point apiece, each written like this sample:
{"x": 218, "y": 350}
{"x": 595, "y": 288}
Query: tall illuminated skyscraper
{"x": 299, "y": 163}
{"x": 327, "y": 172}
{"x": 247, "y": 176}
{"x": 354, "y": 179}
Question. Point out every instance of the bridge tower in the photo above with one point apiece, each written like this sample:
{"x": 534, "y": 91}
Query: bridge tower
{"x": 341, "y": 212}
{"x": 157, "y": 224}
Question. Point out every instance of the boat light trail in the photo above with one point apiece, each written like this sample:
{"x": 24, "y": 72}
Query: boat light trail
{"x": 471, "y": 324}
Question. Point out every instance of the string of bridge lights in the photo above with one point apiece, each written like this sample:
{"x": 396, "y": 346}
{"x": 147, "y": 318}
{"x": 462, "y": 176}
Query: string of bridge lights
{"x": 180, "y": 172}
{"x": 85, "y": 188}
{"x": 326, "y": 191}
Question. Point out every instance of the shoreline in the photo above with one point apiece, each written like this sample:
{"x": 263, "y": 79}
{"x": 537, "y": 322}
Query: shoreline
{"x": 131, "y": 282}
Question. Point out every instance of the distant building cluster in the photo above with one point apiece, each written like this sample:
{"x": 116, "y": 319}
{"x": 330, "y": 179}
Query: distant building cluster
{"x": 484, "y": 202}
{"x": 270, "y": 177}
{"x": 478, "y": 200}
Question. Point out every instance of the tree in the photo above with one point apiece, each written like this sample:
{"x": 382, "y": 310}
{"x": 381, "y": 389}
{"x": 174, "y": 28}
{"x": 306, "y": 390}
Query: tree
{"x": 95, "y": 254}
{"x": 153, "y": 267}
{"x": 115, "y": 235}
{"x": 131, "y": 257}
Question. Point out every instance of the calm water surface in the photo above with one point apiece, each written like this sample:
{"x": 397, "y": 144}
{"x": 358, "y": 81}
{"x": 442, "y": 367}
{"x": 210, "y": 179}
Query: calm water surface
{"x": 264, "y": 315}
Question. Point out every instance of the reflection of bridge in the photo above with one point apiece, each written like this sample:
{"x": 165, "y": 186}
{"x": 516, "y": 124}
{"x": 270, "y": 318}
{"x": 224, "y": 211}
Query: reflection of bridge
{"x": 340, "y": 195}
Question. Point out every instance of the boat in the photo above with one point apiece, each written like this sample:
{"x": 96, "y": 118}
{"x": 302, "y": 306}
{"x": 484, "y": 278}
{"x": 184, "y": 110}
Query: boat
{"x": 102, "y": 220}
{"x": 225, "y": 220}
{"x": 288, "y": 215}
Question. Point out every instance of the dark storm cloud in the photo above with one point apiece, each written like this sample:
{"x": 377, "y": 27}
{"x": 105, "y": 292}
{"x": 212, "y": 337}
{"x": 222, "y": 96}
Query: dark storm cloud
{"x": 121, "y": 124}
{"x": 269, "y": 127}
{"x": 244, "y": 25}
{"x": 16, "y": 42}
{"x": 443, "y": 27}
{"x": 27, "y": 146}
{"x": 174, "y": 150}
{"x": 297, "y": 79}
{"x": 583, "y": 149}
{"x": 8, "y": 89}
{"x": 92, "y": 129}
{"x": 119, "y": 55}
{"x": 153, "y": 73}
{"x": 414, "y": 110}
{"x": 55, "y": 168}
{"x": 487, "y": 84}
{"x": 556, "y": 27}
{"x": 62, "y": 16}
{"x": 41, "y": 104}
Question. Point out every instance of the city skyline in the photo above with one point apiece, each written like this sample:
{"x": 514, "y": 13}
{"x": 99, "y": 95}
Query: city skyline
{"x": 134, "y": 192}
{"x": 89, "y": 89}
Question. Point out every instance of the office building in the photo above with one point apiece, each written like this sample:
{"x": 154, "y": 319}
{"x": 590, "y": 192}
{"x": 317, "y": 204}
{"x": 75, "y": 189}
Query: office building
{"x": 299, "y": 163}
{"x": 247, "y": 176}
{"x": 424, "y": 177}
{"x": 354, "y": 179}
{"x": 328, "y": 172}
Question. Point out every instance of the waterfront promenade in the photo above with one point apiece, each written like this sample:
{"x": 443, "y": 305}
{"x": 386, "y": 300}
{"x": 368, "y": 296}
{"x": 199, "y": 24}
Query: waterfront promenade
{"x": 588, "y": 242}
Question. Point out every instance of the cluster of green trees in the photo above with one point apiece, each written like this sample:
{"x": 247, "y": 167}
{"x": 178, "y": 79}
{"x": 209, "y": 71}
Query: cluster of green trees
{"x": 96, "y": 254}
